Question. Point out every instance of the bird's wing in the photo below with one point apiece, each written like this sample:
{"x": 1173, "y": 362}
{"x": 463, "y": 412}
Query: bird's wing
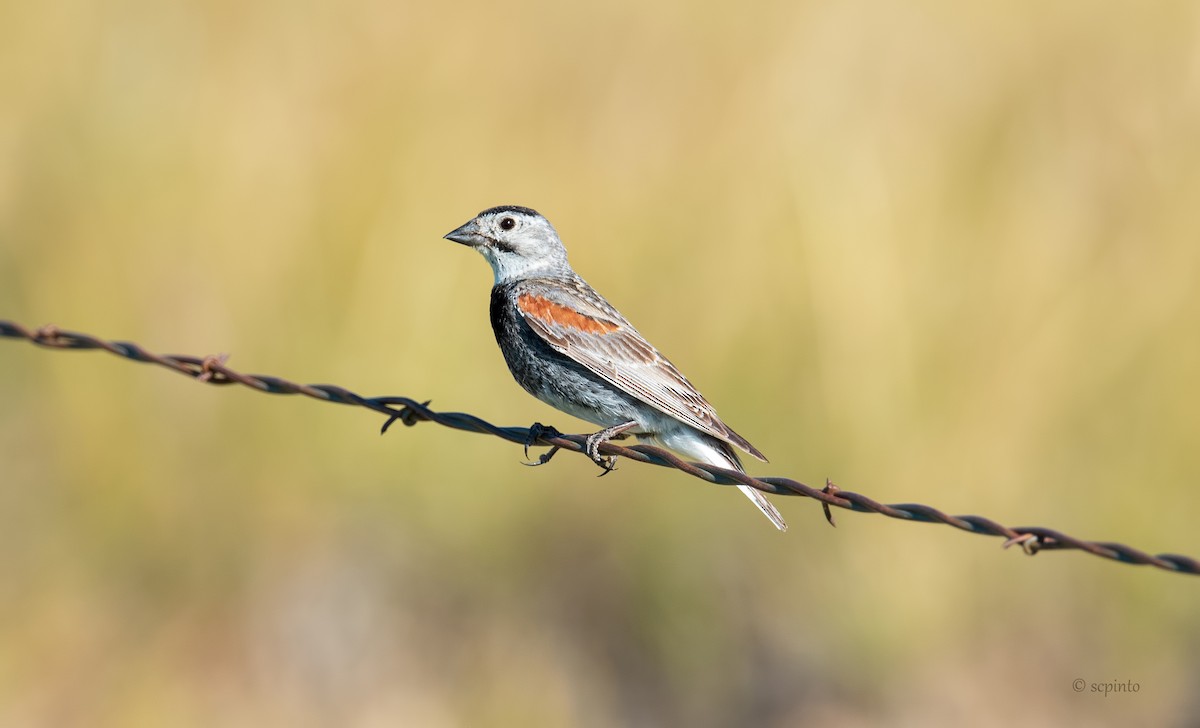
{"x": 578, "y": 323}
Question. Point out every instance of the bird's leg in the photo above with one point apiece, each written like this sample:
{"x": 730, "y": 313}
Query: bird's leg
{"x": 596, "y": 439}
{"x": 537, "y": 431}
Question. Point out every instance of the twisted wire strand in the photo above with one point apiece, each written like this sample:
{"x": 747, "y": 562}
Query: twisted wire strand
{"x": 212, "y": 370}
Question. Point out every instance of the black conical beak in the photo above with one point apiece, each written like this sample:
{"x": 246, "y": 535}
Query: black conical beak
{"x": 467, "y": 235}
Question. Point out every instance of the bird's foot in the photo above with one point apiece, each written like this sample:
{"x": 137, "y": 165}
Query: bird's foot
{"x": 537, "y": 431}
{"x": 607, "y": 463}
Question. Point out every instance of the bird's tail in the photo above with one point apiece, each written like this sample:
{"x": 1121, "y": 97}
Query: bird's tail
{"x": 721, "y": 454}
{"x": 754, "y": 494}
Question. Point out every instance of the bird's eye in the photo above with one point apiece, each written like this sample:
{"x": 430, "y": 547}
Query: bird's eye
{"x": 507, "y": 223}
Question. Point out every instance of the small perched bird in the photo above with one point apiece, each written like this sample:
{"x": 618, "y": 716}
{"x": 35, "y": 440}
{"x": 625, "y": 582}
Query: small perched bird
{"x": 573, "y": 350}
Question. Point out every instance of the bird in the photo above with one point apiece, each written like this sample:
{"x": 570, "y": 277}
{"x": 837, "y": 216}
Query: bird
{"x": 569, "y": 347}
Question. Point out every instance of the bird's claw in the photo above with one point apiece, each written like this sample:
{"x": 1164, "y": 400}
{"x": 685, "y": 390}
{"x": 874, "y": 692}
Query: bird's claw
{"x": 591, "y": 447}
{"x": 607, "y": 463}
{"x": 537, "y": 431}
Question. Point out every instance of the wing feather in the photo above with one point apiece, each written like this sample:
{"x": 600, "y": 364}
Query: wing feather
{"x": 578, "y": 323}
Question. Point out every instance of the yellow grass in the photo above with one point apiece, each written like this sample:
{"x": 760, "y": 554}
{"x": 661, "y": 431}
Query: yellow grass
{"x": 941, "y": 252}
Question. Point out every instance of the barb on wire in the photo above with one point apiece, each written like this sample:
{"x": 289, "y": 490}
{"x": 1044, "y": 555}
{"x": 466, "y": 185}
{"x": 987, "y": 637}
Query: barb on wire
{"x": 212, "y": 370}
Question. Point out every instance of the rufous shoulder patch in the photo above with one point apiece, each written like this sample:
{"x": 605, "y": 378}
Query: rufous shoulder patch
{"x": 550, "y": 312}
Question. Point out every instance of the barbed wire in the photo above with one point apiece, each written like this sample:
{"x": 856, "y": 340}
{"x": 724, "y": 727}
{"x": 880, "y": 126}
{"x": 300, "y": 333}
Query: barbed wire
{"x": 212, "y": 370}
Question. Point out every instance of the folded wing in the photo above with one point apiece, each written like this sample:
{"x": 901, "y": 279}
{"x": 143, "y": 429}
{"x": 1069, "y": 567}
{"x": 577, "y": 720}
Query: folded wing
{"x": 581, "y": 325}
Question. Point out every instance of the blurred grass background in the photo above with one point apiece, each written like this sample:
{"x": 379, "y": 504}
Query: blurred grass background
{"x": 943, "y": 253}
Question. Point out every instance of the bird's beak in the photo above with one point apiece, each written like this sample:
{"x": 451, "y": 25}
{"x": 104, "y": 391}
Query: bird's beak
{"x": 467, "y": 235}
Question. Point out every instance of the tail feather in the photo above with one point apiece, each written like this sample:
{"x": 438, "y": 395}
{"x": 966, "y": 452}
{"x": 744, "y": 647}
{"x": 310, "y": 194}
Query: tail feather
{"x": 757, "y": 498}
{"x": 716, "y": 452}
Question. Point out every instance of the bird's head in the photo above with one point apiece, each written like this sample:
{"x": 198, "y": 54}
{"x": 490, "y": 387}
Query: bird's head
{"x": 517, "y": 241}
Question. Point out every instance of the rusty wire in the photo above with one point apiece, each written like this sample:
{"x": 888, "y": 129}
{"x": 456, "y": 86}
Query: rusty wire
{"x": 212, "y": 369}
